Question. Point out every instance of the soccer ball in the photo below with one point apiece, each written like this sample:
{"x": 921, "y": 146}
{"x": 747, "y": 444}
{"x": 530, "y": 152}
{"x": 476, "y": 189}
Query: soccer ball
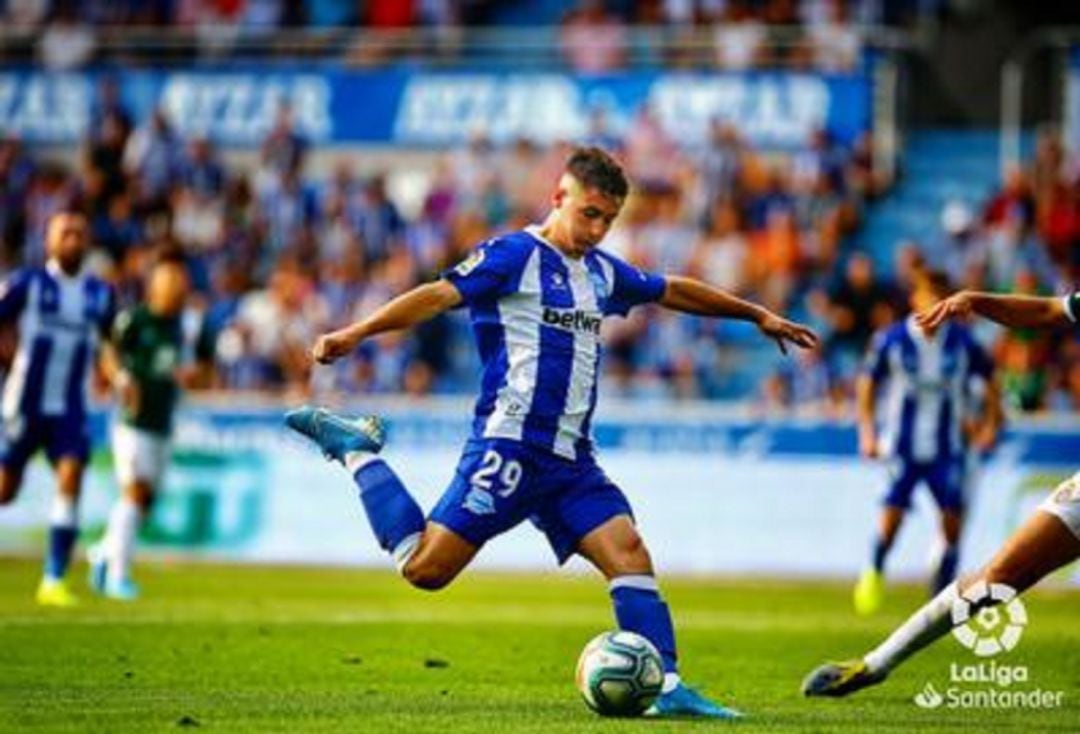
{"x": 619, "y": 674}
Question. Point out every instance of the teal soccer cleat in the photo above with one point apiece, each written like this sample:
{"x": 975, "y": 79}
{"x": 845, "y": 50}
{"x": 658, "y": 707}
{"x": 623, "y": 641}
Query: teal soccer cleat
{"x": 685, "y": 702}
{"x": 122, "y": 590}
{"x": 337, "y": 435}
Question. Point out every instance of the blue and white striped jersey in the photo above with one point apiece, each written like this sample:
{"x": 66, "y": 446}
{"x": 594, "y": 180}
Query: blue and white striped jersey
{"x": 927, "y": 383}
{"x": 60, "y": 321}
{"x": 536, "y": 315}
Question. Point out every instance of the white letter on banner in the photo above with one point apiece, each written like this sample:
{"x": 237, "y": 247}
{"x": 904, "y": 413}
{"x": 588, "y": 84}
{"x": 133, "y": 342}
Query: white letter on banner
{"x": 443, "y": 109}
{"x": 545, "y": 108}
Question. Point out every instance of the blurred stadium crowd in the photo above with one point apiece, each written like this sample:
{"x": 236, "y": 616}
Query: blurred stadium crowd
{"x": 279, "y": 255}
{"x": 591, "y": 35}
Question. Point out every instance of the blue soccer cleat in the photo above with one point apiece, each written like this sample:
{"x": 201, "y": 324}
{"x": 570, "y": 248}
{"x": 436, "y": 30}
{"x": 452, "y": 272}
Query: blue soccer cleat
{"x": 684, "y": 702}
{"x": 337, "y": 435}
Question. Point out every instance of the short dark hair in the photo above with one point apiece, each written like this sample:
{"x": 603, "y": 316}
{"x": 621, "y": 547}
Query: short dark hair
{"x": 935, "y": 281}
{"x": 596, "y": 169}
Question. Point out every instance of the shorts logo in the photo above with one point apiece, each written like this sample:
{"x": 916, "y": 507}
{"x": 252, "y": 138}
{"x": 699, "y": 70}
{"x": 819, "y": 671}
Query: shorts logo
{"x": 987, "y": 630}
{"x": 479, "y": 502}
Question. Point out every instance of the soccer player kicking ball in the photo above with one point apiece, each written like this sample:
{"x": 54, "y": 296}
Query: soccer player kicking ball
{"x": 1048, "y": 540}
{"x": 145, "y": 355}
{"x": 536, "y": 298}
{"x": 61, "y": 313}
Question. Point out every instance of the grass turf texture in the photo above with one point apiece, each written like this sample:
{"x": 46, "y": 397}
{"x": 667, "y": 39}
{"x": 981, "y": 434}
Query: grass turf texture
{"x": 260, "y": 649}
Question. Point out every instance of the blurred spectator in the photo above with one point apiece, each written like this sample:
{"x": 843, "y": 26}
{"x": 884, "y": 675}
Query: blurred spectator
{"x": 117, "y": 230}
{"x": 24, "y": 15}
{"x": 721, "y": 252}
{"x": 720, "y": 166}
{"x": 652, "y": 156}
{"x": 593, "y": 41}
{"x": 51, "y": 190}
{"x": 835, "y": 45}
{"x": 153, "y": 159}
{"x": 331, "y": 13}
{"x": 109, "y": 116}
{"x": 283, "y": 150}
{"x": 859, "y": 305}
{"x": 67, "y": 43}
{"x": 16, "y": 176}
{"x": 378, "y": 221}
{"x": 740, "y": 38}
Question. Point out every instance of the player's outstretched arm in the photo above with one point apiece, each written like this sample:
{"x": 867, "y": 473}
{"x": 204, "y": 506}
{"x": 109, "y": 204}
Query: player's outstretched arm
{"x": 695, "y": 297}
{"x": 1025, "y": 312}
{"x": 409, "y": 309}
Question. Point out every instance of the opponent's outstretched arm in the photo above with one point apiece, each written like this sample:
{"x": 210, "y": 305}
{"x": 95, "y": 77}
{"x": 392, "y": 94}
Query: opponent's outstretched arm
{"x": 409, "y": 309}
{"x": 695, "y": 297}
{"x": 1023, "y": 312}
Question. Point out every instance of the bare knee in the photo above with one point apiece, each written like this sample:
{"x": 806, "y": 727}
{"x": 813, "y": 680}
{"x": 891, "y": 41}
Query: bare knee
{"x": 428, "y": 575}
{"x": 9, "y": 488}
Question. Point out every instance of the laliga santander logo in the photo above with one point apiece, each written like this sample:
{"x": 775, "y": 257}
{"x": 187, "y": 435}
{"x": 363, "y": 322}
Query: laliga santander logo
{"x": 988, "y": 630}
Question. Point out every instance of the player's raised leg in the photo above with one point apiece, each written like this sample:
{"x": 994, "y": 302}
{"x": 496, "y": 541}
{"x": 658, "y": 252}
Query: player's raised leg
{"x": 618, "y": 551}
{"x": 428, "y": 555}
{"x": 1047, "y": 541}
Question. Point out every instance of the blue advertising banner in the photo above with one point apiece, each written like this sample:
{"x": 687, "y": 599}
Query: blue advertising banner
{"x": 713, "y": 493}
{"x": 337, "y": 106}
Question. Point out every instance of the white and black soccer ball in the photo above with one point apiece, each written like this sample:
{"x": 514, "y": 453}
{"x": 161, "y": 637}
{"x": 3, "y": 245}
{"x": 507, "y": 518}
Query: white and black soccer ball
{"x": 619, "y": 674}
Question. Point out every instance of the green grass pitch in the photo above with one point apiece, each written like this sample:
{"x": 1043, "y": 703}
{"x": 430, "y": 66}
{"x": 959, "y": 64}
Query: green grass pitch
{"x": 294, "y": 649}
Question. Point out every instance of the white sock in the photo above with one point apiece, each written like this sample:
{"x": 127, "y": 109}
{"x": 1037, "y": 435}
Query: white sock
{"x": 356, "y": 460}
{"x": 671, "y": 682}
{"x": 119, "y": 539}
{"x": 403, "y": 551}
{"x": 931, "y": 621}
{"x": 63, "y": 513}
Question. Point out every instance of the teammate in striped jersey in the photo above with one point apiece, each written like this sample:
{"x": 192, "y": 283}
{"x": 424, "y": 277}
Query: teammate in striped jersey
{"x": 537, "y": 299}
{"x": 61, "y": 313}
{"x": 1048, "y": 540}
{"x": 925, "y": 380}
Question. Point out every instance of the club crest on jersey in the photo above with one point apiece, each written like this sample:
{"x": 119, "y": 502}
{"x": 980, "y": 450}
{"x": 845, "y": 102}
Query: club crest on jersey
{"x": 572, "y": 319}
{"x": 558, "y": 282}
{"x": 470, "y": 263}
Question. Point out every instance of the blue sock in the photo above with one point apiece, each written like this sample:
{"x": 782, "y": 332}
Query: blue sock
{"x": 881, "y": 550}
{"x": 946, "y": 570}
{"x": 61, "y": 542}
{"x": 391, "y": 510}
{"x": 639, "y": 608}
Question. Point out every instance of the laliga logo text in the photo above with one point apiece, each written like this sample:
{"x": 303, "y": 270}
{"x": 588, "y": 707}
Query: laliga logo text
{"x": 988, "y": 620}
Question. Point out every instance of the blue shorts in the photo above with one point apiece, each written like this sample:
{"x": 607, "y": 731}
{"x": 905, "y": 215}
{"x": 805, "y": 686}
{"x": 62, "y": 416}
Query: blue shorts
{"x": 499, "y": 482}
{"x": 944, "y": 478}
{"x": 60, "y": 436}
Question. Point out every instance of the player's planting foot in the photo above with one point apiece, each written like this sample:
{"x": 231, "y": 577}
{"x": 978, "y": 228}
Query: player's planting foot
{"x": 337, "y": 435}
{"x": 840, "y": 679}
{"x": 55, "y": 593}
{"x": 684, "y": 701}
{"x": 97, "y": 568}
{"x": 121, "y": 590}
{"x": 869, "y": 593}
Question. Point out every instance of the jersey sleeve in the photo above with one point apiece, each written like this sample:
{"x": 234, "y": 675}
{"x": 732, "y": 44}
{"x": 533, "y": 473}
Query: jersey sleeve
{"x": 1072, "y": 306}
{"x": 13, "y": 292}
{"x": 630, "y": 286}
{"x": 876, "y": 364}
{"x": 491, "y": 271}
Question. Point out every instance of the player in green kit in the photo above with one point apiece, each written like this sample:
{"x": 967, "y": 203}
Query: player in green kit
{"x": 147, "y": 366}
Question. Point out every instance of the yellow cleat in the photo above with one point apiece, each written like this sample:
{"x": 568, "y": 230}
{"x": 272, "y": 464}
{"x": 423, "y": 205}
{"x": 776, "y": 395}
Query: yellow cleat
{"x": 840, "y": 679}
{"x": 55, "y": 593}
{"x": 869, "y": 593}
